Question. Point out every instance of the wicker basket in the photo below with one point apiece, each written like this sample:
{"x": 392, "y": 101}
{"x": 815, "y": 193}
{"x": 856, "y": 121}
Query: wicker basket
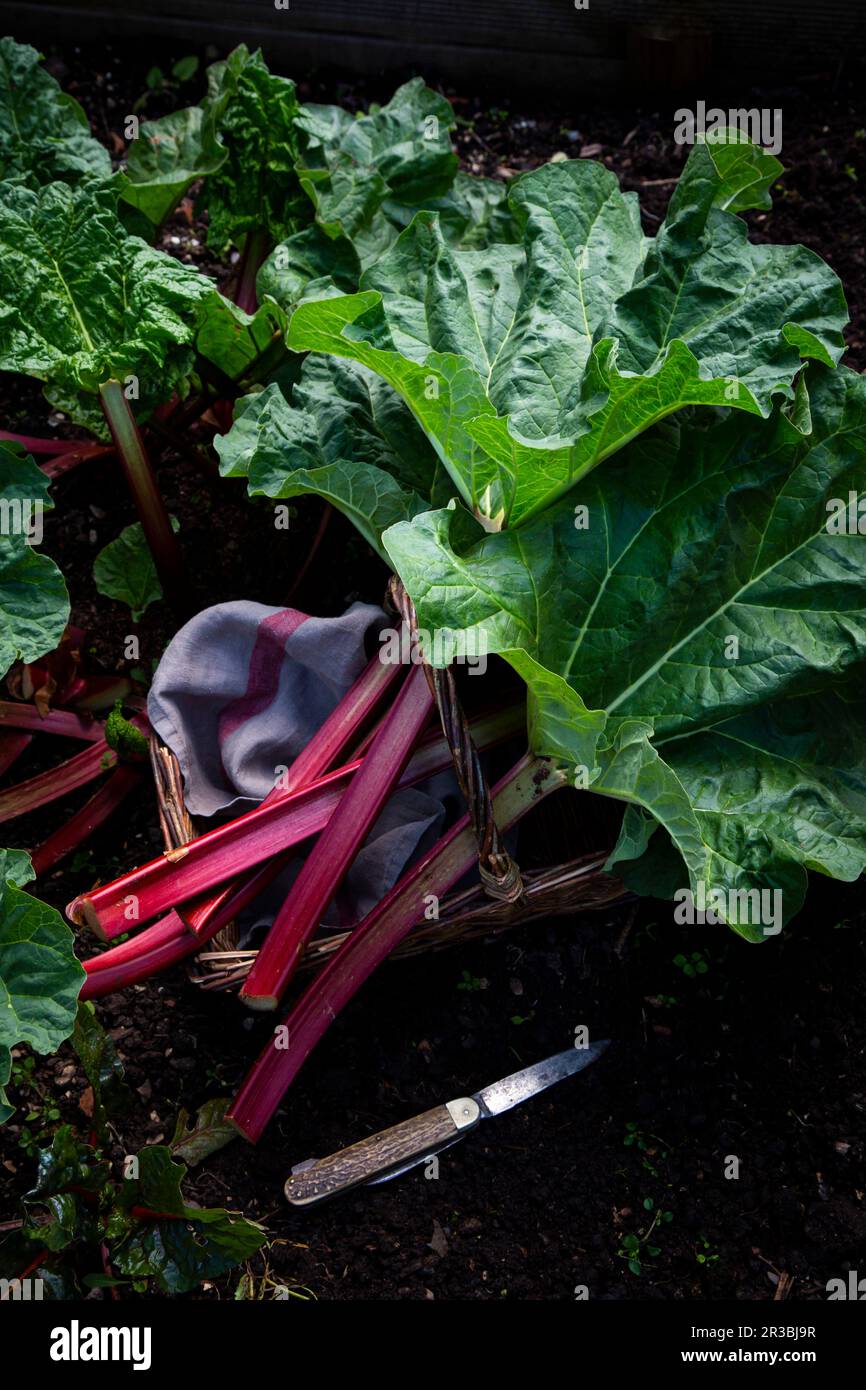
{"x": 503, "y": 898}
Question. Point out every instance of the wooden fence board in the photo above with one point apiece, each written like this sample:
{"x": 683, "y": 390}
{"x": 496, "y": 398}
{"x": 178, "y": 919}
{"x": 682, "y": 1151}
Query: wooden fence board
{"x": 534, "y": 43}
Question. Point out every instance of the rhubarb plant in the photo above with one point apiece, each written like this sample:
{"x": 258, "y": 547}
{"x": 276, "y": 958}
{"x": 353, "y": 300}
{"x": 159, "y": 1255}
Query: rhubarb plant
{"x": 527, "y": 365}
{"x": 83, "y": 303}
{"x": 40, "y": 977}
{"x": 331, "y": 189}
{"x": 690, "y": 624}
{"x": 44, "y": 134}
{"x": 34, "y": 604}
{"x": 111, "y": 327}
{"x": 340, "y": 432}
{"x": 366, "y": 177}
{"x": 85, "y": 1228}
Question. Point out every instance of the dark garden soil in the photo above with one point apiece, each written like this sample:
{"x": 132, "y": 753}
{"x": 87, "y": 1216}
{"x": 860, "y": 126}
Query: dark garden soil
{"x": 756, "y": 1055}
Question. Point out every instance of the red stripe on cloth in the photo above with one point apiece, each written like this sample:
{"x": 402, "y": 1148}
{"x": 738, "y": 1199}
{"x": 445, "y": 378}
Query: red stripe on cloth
{"x": 264, "y": 675}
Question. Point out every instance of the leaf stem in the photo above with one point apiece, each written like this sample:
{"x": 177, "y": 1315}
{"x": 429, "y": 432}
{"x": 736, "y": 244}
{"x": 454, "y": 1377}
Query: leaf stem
{"x": 142, "y": 484}
{"x": 331, "y": 857}
{"x": 254, "y": 252}
{"x": 371, "y": 942}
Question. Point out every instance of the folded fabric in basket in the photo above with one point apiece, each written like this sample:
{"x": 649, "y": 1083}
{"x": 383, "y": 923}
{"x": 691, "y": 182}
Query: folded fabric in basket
{"x": 240, "y": 691}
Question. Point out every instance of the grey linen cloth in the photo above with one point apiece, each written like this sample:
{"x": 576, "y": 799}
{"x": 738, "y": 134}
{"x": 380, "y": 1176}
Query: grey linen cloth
{"x": 239, "y": 692}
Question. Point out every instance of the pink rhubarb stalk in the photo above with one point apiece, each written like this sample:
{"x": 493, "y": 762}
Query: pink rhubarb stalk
{"x": 328, "y": 743}
{"x": 254, "y": 252}
{"x": 168, "y": 942}
{"x": 221, "y": 854}
{"x": 64, "y": 723}
{"x": 331, "y": 857}
{"x": 372, "y": 942}
{"x": 91, "y": 815}
{"x": 57, "y": 781}
{"x": 31, "y": 445}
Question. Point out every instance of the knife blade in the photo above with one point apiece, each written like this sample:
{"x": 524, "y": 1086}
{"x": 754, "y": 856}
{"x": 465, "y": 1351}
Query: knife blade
{"x": 386, "y": 1155}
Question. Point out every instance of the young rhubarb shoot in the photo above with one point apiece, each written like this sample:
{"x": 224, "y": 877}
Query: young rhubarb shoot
{"x": 332, "y": 855}
{"x": 372, "y": 941}
{"x": 142, "y": 484}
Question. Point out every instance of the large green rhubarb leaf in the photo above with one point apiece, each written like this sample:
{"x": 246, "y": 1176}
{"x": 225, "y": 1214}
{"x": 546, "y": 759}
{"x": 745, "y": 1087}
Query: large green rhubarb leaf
{"x": 40, "y": 977}
{"x": 350, "y": 166}
{"x": 691, "y": 624}
{"x": 34, "y": 604}
{"x": 166, "y": 158}
{"x": 44, "y": 134}
{"x": 345, "y": 436}
{"x": 527, "y": 365}
{"x": 82, "y": 301}
{"x": 367, "y": 176}
{"x": 256, "y": 188}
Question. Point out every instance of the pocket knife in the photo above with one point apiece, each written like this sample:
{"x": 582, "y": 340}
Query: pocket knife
{"x": 385, "y": 1155}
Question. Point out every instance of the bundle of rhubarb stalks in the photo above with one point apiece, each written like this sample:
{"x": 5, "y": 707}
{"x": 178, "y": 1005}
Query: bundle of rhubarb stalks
{"x": 396, "y": 727}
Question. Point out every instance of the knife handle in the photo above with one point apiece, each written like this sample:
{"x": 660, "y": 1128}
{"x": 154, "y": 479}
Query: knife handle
{"x": 325, "y": 1177}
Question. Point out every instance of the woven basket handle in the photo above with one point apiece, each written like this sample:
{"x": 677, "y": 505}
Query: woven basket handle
{"x": 500, "y": 874}
{"x": 177, "y": 828}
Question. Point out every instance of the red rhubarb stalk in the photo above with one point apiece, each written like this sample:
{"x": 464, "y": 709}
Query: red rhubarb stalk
{"x": 330, "y": 741}
{"x": 221, "y": 854}
{"x": 32, "y": 445}
{"x": 91, "y": 815}
{"x": 254, "y": 252}
{"x": 57, "y": 781}
{"x": 340, "y": 727}
{"x": 168, "y": 928}
{"x": 142, "y": 484}
{"x": 112, "y": 971}
{"x": 331, "y": 857}
{"x": 372, "y": 942}
{"x": 15, "y": 715}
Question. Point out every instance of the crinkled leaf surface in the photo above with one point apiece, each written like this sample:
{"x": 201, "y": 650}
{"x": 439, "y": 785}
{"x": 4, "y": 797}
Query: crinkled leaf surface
{"x": 15, "y": 867}
{"x": 254, "y": 114}
{"x": 189, "y": 1243}
{"x": 62, "y": 1206}
{"x": 34, "y": 604}
{"x": 81, "y": 301}
{"x": 527, "y": 365}
{"x": 44, "y": 134}
{"x": 345, "y": 436}
{"x": 350, "y": 165}
{"x": 367, "y": 177}
{"x": 124, "y": 570}
{"x": 694, "y": 638}
{"x": 166, "y": 159}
